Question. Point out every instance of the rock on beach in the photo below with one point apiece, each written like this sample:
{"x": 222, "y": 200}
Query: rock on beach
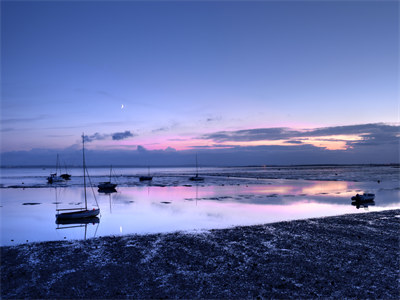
{"x": 349, "y": 256}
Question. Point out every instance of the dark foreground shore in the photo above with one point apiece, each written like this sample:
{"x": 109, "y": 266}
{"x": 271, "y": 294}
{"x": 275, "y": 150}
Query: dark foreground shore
{"x": 351, "y": 256}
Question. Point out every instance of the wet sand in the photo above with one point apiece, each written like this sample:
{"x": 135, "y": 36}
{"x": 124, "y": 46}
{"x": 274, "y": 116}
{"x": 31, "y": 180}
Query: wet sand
{"x": 350, "y": 256}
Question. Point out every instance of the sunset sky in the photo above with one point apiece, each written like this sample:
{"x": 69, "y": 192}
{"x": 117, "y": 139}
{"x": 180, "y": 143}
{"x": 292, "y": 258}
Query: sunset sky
{"x": 253, "y": 82}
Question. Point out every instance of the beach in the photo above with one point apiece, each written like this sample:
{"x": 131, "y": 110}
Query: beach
{"x": 348, "y": 256}
{"x": 199, "y": 150}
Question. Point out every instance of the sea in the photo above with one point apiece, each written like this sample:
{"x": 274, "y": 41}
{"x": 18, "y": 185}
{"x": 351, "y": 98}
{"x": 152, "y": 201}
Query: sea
{"x": 228, "y": 196}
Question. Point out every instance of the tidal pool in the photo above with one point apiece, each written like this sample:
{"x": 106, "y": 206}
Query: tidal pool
{"x": 155, "y": 209}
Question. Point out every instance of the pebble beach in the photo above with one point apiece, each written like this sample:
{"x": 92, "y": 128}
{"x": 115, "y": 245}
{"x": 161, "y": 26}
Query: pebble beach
{"x": 348, "y": 256}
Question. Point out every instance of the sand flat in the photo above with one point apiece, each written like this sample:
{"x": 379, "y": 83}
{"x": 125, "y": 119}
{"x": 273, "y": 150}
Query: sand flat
{"x": 352, "y": 256}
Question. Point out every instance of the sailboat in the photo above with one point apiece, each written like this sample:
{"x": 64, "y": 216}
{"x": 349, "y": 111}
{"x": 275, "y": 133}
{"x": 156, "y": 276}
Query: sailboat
{"x": 83, "y": 212}
{"x": 66, "y": 176}
{"x": 197, "y": 177}
{"x": 146, "y": 178}
{"x": 53, "y": 176}
{"x": 107, "y": 185}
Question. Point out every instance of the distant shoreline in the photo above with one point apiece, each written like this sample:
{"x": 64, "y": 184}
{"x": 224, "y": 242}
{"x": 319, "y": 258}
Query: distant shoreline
{"x": 395, "y": 165}
{"x": 348, "y": 256}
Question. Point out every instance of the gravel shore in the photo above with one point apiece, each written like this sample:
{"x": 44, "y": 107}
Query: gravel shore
{"x": 350, "y": 256}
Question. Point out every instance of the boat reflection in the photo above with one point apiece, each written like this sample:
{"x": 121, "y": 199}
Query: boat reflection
{"x": 76, "y": 223}
{"x": 107, "y": 190}
{"x": 363, "y": 204}
{"x": 81, "y": 221}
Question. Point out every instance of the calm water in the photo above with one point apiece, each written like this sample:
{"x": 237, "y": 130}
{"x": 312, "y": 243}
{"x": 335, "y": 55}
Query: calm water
{"x": 172, "y": 203}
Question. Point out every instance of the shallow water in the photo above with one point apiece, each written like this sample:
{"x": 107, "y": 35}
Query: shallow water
{"x": 29, "y": 214}
{"x": 36, "y": 177}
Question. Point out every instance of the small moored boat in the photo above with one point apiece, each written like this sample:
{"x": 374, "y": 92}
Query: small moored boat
{"x": 78, "y": 214}
{"x": 66, "y": 176}
{"x": 53, "y": 176}
{"x": 366, "y": 197}
{"x": 107, "y": 185}
{"x": 83, "y": 212}
{"x": 146, "y": 178}
{"x": 197, "y": 177}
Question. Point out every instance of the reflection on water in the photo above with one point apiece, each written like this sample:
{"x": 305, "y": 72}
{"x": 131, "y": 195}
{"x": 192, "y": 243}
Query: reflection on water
{"x": 364, "y": 205}
{"x": 152, "y": 209}
{"x": 78, "y": 223}
{"x": 327, "y": 187}
{"x": 83, "y": 221}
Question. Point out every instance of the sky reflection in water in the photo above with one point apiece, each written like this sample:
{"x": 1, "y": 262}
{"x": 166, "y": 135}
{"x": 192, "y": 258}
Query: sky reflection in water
{"x": 165, "y": 209}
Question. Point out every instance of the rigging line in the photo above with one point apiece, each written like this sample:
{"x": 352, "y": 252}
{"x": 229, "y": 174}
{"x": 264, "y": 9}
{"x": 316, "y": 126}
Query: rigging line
{"x": 91, "y": 186}
{"x": 97, "y": 227}
{"x": 115, "y": 176}
{"x": 55, "y": 189}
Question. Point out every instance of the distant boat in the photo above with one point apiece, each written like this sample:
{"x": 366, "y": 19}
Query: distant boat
{"x": 66, "y": 176}
{"x": 53, "y": 176}
{"x": 107, "y": 185}
{"x": 146, "y": 178}
{"x": 84, "y": 212}
{"x": 366, "y": 197}
{"x": 197, "y": 177}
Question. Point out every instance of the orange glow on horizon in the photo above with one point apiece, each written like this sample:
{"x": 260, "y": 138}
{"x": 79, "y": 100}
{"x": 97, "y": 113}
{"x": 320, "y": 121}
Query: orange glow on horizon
{"x": 181, "y": 143}
{"x": 332, "y": 142}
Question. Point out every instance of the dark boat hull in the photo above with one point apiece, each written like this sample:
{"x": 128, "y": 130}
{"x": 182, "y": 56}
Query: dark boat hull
{"x": 92, "y": 220}
{"x": 78, "y": 214}
{"x": 65, "y": 176}
{"x": 196, "y": 178}
{"x": 145, "y": 178}
{"x": 363, "y": 198}
{"x": 107, "y": 186}
{"x": 54, "y": 178}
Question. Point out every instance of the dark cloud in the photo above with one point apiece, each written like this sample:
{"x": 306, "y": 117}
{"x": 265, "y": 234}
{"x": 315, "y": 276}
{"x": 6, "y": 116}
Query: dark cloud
{"x": 248, "y": 135}
{"x": 379, "y": 144}
{"x": 214, "y": 119}
{"x": 294, "y": 142}
{"x": 122, "y": 135}
{"x": 353, "y": 129}
{"x": 378, "y": 138}
{"x": 96, "y": 137}
{"x": 23, "y": 120}
{"x": 161, "y": 129}
{"x": 234, "y": 156}
{"x": 371, "y": 133}
{"x": 103, "y": 136}
{"x": 172, "y": 124}
{"x": 141, "y": 149}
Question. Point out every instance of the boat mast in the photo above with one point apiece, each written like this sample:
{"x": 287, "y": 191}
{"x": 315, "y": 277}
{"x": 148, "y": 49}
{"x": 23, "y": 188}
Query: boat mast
{"x": 197, "y": 167}
{"x": 57, "y": 165}
{"x": 84, "y": 167}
